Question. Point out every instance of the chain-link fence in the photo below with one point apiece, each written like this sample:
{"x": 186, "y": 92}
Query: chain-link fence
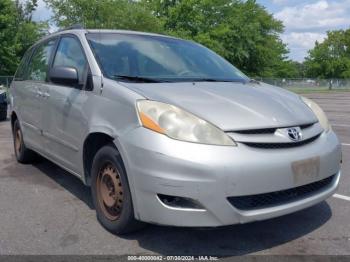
{"x": 308, "y": 83}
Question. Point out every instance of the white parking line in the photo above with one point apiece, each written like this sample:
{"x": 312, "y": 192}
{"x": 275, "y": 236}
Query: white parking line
{"x": 341, "y": 125}
{"x": 338, "y": 115}
{"x": 343, "y": 144}
{"x": 342, "y": 197}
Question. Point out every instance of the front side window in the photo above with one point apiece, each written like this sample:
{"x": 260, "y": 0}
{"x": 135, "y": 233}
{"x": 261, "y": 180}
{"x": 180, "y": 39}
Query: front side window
{"x": 160, "y": 58}
{"x": 70, "y": 54}
{"x": 38, "y": 66}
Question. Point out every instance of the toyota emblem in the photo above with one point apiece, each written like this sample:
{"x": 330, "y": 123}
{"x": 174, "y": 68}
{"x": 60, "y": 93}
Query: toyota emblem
{"x": 294, "y": 134}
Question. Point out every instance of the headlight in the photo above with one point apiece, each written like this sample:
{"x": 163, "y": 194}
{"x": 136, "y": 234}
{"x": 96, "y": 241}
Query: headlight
{"x": 320, "y": 114}
{"x": 179, "y": 124}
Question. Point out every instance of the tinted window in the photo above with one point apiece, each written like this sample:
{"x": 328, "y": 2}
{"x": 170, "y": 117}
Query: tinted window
{"x": 70, "y": 53}
{"x": 40, "y": 60}
{"x": 159, "y": 57}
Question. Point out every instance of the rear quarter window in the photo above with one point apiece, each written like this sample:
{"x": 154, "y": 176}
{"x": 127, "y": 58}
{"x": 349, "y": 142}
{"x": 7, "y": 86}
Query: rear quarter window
{"x": 21, "y": 73}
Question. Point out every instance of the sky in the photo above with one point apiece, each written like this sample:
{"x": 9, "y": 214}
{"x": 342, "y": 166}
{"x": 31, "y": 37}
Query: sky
{"x": 305, "y": 21}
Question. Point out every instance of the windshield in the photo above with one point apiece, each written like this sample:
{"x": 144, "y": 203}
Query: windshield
{"x": 128, "y": 57}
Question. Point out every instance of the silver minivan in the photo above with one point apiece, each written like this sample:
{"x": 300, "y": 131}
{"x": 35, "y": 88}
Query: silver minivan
{"x": 165, "y": 131}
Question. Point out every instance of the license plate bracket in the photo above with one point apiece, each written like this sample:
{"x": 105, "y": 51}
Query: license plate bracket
{"x": 305, "y": 171}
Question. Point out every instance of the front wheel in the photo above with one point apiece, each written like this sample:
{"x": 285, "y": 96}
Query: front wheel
{"x": 111, "y": 193}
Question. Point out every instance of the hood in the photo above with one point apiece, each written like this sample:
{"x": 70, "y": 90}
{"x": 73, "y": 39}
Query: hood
{"x": 232, "y": 106}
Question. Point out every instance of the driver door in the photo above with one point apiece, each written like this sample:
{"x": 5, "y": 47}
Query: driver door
{"x": 66, "y": 122}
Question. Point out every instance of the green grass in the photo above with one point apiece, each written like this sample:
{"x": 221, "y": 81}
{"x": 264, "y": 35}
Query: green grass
{"x": 305, "y": 90}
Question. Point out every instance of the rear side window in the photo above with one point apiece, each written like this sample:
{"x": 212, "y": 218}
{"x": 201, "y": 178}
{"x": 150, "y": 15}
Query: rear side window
{"x": 70, "y": 54}
{"x": 38, "y": 67}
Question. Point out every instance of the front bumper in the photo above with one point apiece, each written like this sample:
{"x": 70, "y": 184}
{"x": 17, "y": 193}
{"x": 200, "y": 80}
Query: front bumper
{"x": 209, "y": 174}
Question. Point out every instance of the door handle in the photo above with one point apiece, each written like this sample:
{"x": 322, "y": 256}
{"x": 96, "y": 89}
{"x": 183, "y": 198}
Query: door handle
{"x": 46, "y": 95}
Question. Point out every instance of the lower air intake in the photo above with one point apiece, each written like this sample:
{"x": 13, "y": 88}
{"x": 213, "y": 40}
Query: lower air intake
{"x": 266, "y": 200}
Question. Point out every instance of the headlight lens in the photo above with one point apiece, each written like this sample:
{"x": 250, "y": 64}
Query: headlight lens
{"x": 320, "y": 114}
{"x": 179, "y": 124}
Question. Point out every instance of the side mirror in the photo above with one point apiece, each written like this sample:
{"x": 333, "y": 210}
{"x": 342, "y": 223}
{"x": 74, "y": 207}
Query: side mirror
{"x": 64, "y": 75}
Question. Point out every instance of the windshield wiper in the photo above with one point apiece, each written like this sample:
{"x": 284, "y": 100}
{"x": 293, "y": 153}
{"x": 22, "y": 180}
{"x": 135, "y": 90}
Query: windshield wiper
{"x": 137, "y": 79}
{"x": 214, "y": 80}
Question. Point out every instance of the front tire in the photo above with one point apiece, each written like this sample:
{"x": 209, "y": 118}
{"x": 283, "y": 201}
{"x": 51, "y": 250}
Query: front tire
{"x": 22, "y": 153}
{"x": 111, "y": 193}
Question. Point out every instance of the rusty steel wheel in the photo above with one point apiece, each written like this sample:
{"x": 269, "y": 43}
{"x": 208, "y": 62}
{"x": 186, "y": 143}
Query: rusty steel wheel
{"x": 110, "y": 192}
{"x": 18, "y": 141}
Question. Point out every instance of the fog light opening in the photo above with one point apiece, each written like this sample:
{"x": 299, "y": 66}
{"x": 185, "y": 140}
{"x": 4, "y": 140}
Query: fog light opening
{"x": 180, "y": 202}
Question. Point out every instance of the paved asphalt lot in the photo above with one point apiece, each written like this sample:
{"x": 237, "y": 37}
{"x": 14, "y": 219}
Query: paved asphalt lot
{"x": 44, "y": 210}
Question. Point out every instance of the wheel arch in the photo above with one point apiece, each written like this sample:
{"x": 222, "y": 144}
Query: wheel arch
{"x": 92, "y": 143}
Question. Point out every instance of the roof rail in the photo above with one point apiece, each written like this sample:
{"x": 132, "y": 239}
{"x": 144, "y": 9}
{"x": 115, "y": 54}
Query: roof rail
{"x": 75, "y": 26}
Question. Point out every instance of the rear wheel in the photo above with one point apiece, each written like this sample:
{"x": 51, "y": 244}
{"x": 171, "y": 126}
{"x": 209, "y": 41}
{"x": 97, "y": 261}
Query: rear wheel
{"x": 111, "y": 192}
{"x": 23, "y": 154}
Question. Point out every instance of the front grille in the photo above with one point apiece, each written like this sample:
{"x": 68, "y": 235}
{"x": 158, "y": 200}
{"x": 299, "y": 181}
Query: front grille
{"x": 267, "y": 130}
{"x": 279, "y": 197}
{"x": 257, "y": 131}
{"x": 281, "y": 145}
{"x": 306, "y": 126}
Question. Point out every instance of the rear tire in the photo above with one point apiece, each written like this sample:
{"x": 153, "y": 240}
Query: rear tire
{"x": 111, "y": 193}
{"x": 22, "y": 153}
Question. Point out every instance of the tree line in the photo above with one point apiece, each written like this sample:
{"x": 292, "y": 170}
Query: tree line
{"x": 17, "y": 32}
{"x": 243, "y": 32}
